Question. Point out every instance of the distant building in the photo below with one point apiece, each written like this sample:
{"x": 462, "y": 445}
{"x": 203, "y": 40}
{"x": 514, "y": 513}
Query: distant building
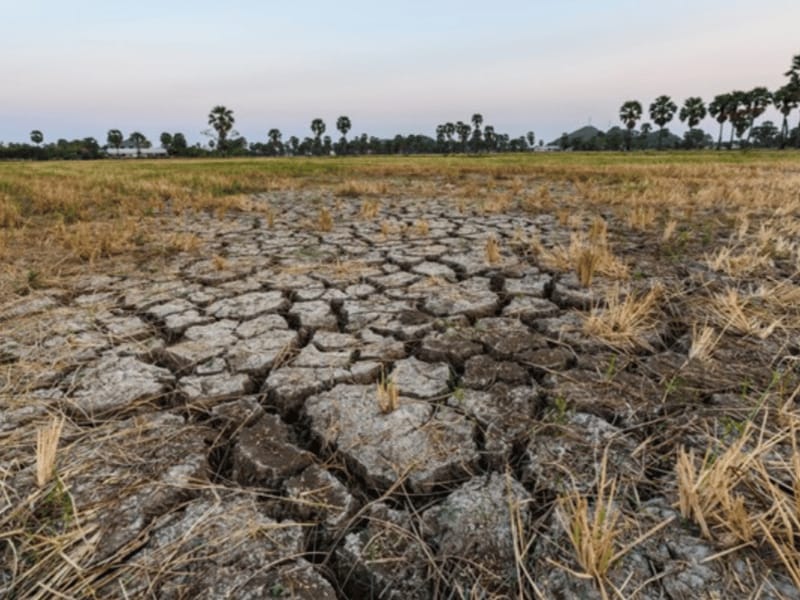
{"x": 548, "y": 148}
{"x": 133, "y": 153}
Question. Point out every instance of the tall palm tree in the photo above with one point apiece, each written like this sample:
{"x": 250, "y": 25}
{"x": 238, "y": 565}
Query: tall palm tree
{"x": 317, "y": 128}
{"x": 756, "y": 102}
{"x": 449, "y": 131}
{"x": 114, "y": 138}
{"x": 37, "y": 137}
{"x": 718, "y": 109}
{"x": 737, "y": 115}
{"x": 477, "y": 121}
{"x": 490, "y": 137}
{"x": 693, "y": 111}
{"x": 221, "y": 119}
{"x": 629, "y": 113}
{"x": 463, "y": 131}
{"x": 343, "y": 125}
{"x": 274, "y": 135}
{"x": 662, "y": 110}
{"x": 785, "y": 100}
{"x": 531, "y": 138}
{"x": 794, "y": 85}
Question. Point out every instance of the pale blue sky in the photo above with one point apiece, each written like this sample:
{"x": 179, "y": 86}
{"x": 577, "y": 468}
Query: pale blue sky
{"x": 79, "y": 68}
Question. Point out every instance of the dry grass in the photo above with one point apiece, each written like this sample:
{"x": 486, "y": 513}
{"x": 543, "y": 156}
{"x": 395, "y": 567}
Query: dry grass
{"x": 324, "y": 220}
{"x": 738, "y": 493}
{"x": 627, "y": 319}
{"x": 492, "y": 250}
{"x": 388, "y": 395}
{"x": 47, "y": 439}
{"x": 703, "y": 343}
{"x": 584, "y": 257}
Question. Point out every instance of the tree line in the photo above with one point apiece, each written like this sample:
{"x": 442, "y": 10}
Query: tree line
{"x": 739, "y": 109}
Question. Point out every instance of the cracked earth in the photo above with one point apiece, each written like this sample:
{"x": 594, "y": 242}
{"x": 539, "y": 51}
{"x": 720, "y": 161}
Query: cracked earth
{"x": 222, "y": 416}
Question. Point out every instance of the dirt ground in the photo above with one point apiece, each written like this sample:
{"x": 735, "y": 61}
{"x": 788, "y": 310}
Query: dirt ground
{"x": 495, "y": 387}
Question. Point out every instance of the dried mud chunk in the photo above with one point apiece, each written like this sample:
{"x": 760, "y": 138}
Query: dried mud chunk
{"x": 407, "y": 442}
{"x": 507, "y": 338}
{"x": 234, "y": 415}
{"x": 563, "y": 457}
{"x": 529, "y": 309}
{"x": 420, "y": 379}
{"x": 288, "y": 387}
{"x": 481, "y": 372}
{"x": 311, "y": 357}
{"x": 26, "y": 307}
{"x": 546, "y": 360}
{"x": 257, "y": 355}
{"x": 316, "y": 495}
{"x": 177, "y": 323}
{"x": 453, "y": 346}
{"x": 264, "y": 455}
{"x": 263, "y": 325}
{"x": 221, "y": 547}
{"x": 472, "y": 531}
{"x": 329, "y": 341}
{"x": 316, "y": 314}
{"x": 505, "y": 414}
{"x": 387, "y": 559}
{"x": 248, "y": 306}
{"x": 472, "y": 298}
{"x": 212, "y": 389}
{"x": 533, "y": 285}
{"x": 627, "y": 398}
{"x": 116, "y": 385}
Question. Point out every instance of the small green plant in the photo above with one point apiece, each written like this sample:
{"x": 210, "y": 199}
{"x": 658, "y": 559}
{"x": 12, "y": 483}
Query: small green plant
{"x": 458, "y": 395}
{"x": 561, "y": 408}
{"x": 611, "y": 370}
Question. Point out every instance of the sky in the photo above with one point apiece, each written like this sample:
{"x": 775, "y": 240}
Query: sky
{"x": 79, "y": 68}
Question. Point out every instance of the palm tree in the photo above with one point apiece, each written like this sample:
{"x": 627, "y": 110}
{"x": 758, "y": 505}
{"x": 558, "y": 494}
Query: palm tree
{"x": 114, "y": 138}
{"x": 139, "y": 141}
{"x": 693, "y": 111}
{"x": 343, "y": 125}
{"x": 662, "y": 110}
{"x": 785, "y": 100}
{"x": 449, "y": 131}
{"x": 477, "y": 121}
{"x": 737, "y": 100}
{"x": 794, "y": 85}
{"x": 629, "y": 113}
{"x": 463, "y": 130}
{"x": 221, "y": 119}
{"x": 317, "y": 128}
{"x": 37, "y": 137}
{"x": 718, "y": 108}
{"x": 490, "y": 137}
{"x": 756, "y": 102}
{"x": 275, "y": 136}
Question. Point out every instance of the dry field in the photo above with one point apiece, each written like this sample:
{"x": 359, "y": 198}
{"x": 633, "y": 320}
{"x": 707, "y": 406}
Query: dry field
{"x": 490, "y": 377}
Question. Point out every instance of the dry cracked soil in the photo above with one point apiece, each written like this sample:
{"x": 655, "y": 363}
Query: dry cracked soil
{"x": 224, "y": 436}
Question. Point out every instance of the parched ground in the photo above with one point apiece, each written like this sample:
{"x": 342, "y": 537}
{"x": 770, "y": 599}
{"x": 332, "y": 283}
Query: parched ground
{"x": 365, "y": 393}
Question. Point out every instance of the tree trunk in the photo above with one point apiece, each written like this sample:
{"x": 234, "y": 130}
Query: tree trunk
{"x": 784, "y": 131}
{"x": 719, "y": 141}
{"x": 660, "y": 136}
